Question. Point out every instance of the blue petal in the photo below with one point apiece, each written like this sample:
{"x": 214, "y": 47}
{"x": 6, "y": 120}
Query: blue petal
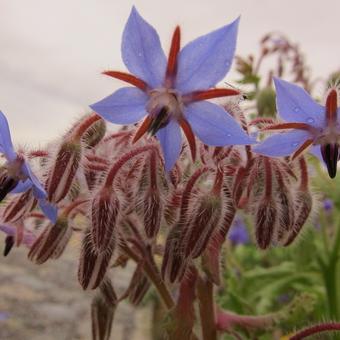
{"x": 315, "y": 150}
{"x": 49, "y": 210}
{"x": 214, "y": 126}
{"x": 170, "y": 138}
{"x": 142, "y": 52}
{"x": 294, "y": 104}
{"x": 22, "y": 186}
{"x": 206, "y": 60}
{"x": 38, "y": 190}
{"x": 5, "y": 139}
{"x": 125, "y": 106}
{"x": 282, "y": 144}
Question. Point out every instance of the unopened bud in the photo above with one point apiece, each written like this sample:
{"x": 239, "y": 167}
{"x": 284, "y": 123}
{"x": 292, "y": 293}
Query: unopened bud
{"x": 138, "y": 287}
{"x": 102, "y": 317}
{"x": 265, "y": 221}
{"x": 302, "y": 206}
{"x": 95, "y": 133}
{"x": 174, "y": 262}
{"x": 18, "y": 207}
{"x": 93, "y": 265}
{"x": 51, "y": 243}
{"x": 202, "y": 225}
{"x": 285, "y": 213}
{"x": 63, "y": 171}
{"x": 105, "y": 208}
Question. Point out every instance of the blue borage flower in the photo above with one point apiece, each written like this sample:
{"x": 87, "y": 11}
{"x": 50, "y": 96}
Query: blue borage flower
{"x": 309, "y": 122}
{"x": 172, "y": 94}
{"x": 16, "y": 175}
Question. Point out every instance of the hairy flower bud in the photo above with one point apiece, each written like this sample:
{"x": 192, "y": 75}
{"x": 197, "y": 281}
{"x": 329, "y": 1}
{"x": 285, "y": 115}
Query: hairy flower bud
{"x": 286, "y": 212}
{"x": 104, "y": 212}
{"x": 51, "y": 243}
{"x": 102, "y": 315}
{"x": 139, "y": 285}
{"x": 63, "y": 170}
{"x": 206, "y": 218}
{"x": 18, "y": 207}
{"x": 174, "y": 262}
{"x": 93, "y": 265}
{"x": 265, "y": 221}
{"x": 95, "y": 133}
{"x": 303, "y": 206}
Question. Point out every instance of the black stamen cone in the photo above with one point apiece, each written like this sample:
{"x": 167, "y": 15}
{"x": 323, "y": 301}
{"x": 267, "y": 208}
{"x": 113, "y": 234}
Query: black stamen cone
{"x": 7, "y": 185}
{"x": 330, "y": 153}
{"x": 9, "y": 243}
{"x": 159, "y": 122}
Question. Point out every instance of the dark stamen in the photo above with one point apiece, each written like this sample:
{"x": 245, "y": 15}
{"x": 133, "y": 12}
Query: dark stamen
{"x": 330, "y": 153}
{"x": 9, "y": 243}
{"x": 160, "y": 121}
{"x": 7, "y": 184}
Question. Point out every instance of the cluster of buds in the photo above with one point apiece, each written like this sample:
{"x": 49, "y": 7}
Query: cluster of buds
{"x": 118, "y": 195}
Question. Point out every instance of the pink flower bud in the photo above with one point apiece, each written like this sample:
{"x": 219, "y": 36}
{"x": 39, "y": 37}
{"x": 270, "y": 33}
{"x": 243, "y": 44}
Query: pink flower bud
{"x": 93, "y": 265}
{"x": 51, "y": 242}
{"x": 104, "y": 212}
{"x": 18, "y": 207}
{"x": 265, "y": 221}
{"x": 205, "y": 219}
{"x": 63, "y": 171}
{"x": 302, "y": 206}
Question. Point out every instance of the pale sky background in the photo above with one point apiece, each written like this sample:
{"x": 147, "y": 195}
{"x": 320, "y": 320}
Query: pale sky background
{"x": 52, "y": 52}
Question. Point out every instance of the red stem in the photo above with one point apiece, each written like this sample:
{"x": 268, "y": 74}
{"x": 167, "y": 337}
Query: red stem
{"x": 113, "y": 171}
{"x": 325, "y": 327}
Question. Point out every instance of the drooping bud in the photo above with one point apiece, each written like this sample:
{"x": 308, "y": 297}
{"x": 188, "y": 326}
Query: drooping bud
{"x": 95, "y": 133}
{"x": 265, "y": 221}
{"x": 212, "y": 253}
{"x": 206, "y": 217}
{"x": 52, "y": 242}
{"x": 139, "y": 285}
{"x": 286, "y": 212}
{"x": 104, "y": 213}
{"x": 18, "y": 207}
{"x": 174, "y": 261}
{"x": 183, "y": 315}
{"x": 108, "y": 293}
{"x": 303, "y": 206}
{"x": 102, "y": 315}
{"x": 63, "y": 170}
{"x": 173, "y": 204}
{"x": 93, "y": 265}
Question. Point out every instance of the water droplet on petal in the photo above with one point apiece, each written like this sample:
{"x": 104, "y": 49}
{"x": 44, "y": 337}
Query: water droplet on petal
{"x": 139, "y": 54}
{"x": 296, "y": 109}
{"x": 295, "y": 144}
{"x": 228, "y": 135}
{"x": 310, "y": 120}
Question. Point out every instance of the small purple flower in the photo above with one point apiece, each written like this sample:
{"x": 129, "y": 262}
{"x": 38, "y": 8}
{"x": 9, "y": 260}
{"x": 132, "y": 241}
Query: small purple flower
{"x": 238, "y": 233}
{"x": 310, "y": 124}
{"x": 328, "y": 205}
{"x": 172, "y": 93}
{"x": 16, "y": 175}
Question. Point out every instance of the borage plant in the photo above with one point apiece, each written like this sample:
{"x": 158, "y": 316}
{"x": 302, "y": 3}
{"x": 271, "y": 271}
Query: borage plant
{"x": 141, "y": 194}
